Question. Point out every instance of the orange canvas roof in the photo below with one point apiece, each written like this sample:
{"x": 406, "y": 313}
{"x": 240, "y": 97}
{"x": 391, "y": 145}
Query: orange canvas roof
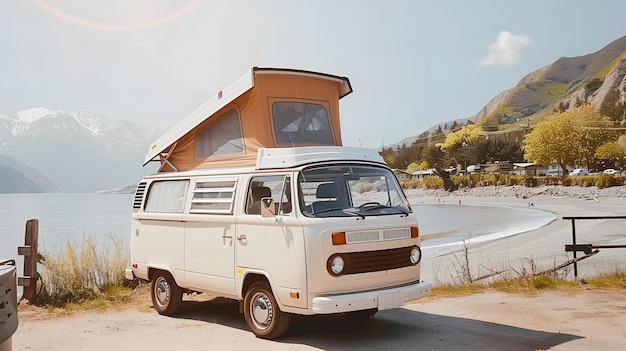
{"x": 267, "y": 107}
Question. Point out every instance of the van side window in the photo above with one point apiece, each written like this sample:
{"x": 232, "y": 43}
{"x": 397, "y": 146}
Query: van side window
{"x": 276, "y": 187}
{"x": 167, "y": 196}
{"x": 213, "y": 196}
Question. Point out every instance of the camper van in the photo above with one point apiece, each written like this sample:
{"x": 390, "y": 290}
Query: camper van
{"x": 257, "y": 200}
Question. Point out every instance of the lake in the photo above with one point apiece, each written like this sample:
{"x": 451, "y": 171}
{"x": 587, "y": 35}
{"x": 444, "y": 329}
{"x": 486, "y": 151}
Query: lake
{"x": 71, "y": 217}
{"x": 62, "y": 218}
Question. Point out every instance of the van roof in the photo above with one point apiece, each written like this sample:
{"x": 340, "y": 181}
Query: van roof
{"x": 284, "y": 158}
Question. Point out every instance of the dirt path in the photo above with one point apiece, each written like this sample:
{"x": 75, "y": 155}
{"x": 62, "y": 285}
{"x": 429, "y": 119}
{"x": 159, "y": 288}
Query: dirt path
{"x": 579, "y": 320}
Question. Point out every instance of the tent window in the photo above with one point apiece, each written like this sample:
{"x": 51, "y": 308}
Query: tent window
{"x": 301, "y": 123}
{"x": 221, "y": 137}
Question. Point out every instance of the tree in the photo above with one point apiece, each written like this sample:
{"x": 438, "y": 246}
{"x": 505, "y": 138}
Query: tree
{"x": 495, "y": 149}
{"x": 568, "y": 138}
{"x": 414, "y": 167}
{"x": 389, "y": 155}
{"x": 433, "y": 156}
{"x": 470, "y": 134}
{"x": 458, "y": 144}
{"x": 611, "y": 151}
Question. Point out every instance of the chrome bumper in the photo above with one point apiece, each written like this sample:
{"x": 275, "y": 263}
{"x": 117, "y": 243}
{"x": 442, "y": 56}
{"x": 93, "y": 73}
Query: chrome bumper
{"x": 380, "y": 299}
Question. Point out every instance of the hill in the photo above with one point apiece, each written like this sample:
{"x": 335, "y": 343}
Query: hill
{"x": 16, "y": 177}
{"x": 596, "y": 78}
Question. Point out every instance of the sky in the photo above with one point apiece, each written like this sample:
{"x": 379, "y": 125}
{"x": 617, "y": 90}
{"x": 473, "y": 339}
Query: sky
{"x": 412, "y": 63}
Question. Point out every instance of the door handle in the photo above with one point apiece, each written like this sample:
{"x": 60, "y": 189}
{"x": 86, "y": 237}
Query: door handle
{"x": 227, "y": 236}
{"x": 241, "y": 237}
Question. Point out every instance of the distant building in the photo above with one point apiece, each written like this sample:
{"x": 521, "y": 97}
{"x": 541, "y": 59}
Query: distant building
{"x": 528, "y": 169}
{"x": 422, "y": 174}
{"x": 402, "y": 174}
{"x": 555, "y": 170}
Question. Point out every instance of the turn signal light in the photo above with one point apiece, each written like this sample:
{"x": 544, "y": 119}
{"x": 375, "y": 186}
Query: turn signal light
{"x": 339, "y": 238}
{"x": 415, "y": 232}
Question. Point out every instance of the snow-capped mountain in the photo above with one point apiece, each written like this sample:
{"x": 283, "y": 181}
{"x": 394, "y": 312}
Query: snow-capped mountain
{"x": 78, "y": 152}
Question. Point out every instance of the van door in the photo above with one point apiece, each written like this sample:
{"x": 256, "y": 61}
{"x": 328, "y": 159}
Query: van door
{"x": 209, "y": 236}
{"x": 273, "y": 246}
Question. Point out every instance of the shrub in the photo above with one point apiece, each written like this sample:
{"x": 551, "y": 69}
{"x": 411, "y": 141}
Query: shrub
{"x": 530, "y": 181}
{"x": 432, "y": 182}
{"x": 606, "y": 181}
{"x": 83, "y": 271}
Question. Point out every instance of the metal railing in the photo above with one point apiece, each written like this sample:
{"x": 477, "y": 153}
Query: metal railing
{"x": 588, "y": 249}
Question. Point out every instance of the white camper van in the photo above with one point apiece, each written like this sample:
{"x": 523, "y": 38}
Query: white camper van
{"x": 311, "y": 227}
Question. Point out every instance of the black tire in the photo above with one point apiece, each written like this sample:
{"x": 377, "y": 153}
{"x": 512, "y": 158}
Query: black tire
{"x": 262, "y": 313}
{"x": 166, "y": 295}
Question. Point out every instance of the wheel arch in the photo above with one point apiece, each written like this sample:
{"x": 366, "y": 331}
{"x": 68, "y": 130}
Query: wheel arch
{"x": 251, "y": 278}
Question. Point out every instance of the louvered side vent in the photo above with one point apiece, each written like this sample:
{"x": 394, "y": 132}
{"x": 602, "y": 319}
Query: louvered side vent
{"x": 213, "y": 196}
{"x": 141, "y": 190}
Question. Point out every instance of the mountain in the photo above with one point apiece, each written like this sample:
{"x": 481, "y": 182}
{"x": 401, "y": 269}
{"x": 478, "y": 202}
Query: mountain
{"x": 596, "y": 78}
{"x": 16, "y": 177}
{"x": 79, "y": 152}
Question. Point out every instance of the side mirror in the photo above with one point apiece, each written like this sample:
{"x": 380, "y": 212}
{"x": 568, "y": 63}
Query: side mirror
{"x": 268, "y": 209}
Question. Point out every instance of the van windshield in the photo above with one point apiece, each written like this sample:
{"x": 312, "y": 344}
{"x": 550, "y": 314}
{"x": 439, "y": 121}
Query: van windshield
{"x": 347, "y": 190}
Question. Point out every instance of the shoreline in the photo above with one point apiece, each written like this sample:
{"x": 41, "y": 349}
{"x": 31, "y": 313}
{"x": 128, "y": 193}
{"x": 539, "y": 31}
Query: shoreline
{"x": 521, "y": 191}
{"x": 539, "y": 249}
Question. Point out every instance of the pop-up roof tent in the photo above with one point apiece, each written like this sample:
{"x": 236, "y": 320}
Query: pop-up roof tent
{"x": 267, "y": 107}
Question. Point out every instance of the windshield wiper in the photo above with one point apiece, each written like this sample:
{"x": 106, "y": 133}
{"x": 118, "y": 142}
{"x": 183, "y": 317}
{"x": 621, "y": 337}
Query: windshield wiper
{"x": 370, "y": 206}
{"x": 316, "y": 213}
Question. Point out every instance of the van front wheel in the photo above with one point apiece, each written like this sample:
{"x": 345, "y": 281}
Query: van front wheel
{"x": 166, "y": 295}
{"x": 262, "y": 314}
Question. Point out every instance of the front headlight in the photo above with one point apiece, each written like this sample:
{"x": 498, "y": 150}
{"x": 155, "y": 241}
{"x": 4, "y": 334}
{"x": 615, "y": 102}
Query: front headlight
{"x": 336, "y": 265}
{"x": 416, "y": 255}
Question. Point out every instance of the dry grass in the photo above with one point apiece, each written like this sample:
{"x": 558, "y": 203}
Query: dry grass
{"x": 85, "y": 271}
{"x": 468, "y": 275}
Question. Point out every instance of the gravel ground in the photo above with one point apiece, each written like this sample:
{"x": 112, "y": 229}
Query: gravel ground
{"x": 520, "y": 191}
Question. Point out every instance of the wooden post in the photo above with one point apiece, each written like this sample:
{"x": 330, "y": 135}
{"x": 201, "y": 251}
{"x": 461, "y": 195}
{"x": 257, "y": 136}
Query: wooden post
{"x": 31, "y": 258}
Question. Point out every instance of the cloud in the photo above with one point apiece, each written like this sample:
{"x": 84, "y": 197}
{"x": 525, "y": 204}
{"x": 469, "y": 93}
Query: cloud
{"x": 507, "y": 49}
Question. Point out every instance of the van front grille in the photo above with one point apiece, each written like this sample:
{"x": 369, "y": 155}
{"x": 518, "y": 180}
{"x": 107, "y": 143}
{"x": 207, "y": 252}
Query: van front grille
{"x": 375, "y": 261}
{"x": 141, "y": 189}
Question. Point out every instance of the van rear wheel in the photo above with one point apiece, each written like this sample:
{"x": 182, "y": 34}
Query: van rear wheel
{"x": 166, "y": 295}
{"x": 262, "y": 314}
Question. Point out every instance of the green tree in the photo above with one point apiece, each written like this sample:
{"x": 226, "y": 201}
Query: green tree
{"x": 568, "y": 138}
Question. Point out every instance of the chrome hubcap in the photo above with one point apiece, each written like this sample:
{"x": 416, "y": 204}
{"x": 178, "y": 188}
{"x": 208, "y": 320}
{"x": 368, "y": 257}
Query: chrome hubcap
{"x": 161, "y": 292}
{"x": 261, "y": 311}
